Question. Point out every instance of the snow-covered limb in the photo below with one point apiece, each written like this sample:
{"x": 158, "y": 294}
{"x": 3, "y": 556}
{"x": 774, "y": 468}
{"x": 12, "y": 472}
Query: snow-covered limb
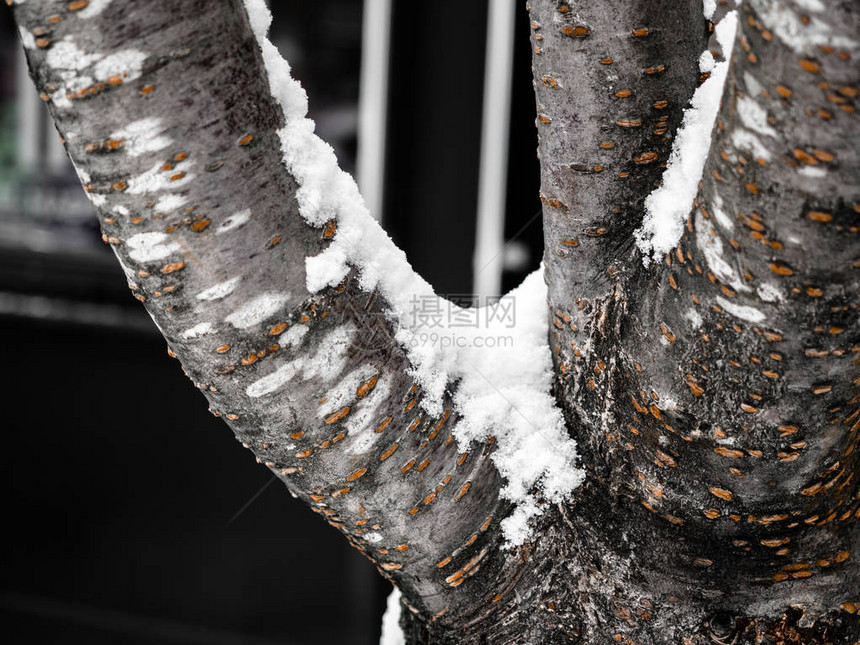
{"x": 291, "y": 309}
{"x": 501, "y": 366}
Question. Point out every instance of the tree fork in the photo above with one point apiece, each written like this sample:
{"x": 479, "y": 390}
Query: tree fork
{"x": 713, "y": 394}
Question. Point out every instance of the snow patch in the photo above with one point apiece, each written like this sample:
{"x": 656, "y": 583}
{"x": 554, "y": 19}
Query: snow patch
{"x": 327, "y": 362}
{"x": 784, "y": 21}
{"x": 769, "y": 293}
{"x": 292, "y": 336}
{"x": 753, "y": 87}
{"x": 811, "y": 171}
{"x": 234, "y": 221}
{"x": 361, "y": 436}
{"x": 94, "y": 8}
{"x": 668, "y": 206}
{"x": 810, "y": 5}
{"x": 275, "y": 380}
{"x": 711, "y": 246}
{"x": 168, "y": 203}
{"x": 754, "y": 116}
{"x": 148, "y": 247}
{"x": 257, "y": 310}
{"x": 220, "y": 290}
{"x": 750, "y": 314}
{"x": 706, "y": 61}
{"x": 326, "y": 269}
{"x": 344, "y": 391}
{"x": 693, "y": 316}
{"x": 708, "y": 8}
{"x": 126, "y": 64}
{"x": 719, "y": 214}
{"x": 156, "y": 179}
{"x": 746, "y": 140}
{"x": 198, "y": 330}
{"x": 143, "y": 135}
{"x": 64, "y": 55}
{"x": 70, "y": 61}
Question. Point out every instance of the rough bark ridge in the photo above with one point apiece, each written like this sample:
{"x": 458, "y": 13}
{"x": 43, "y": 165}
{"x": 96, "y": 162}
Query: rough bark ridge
{"x": 714, "y": 395}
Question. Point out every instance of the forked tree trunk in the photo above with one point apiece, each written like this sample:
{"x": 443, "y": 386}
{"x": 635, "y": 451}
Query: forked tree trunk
{"x": 714, "y": 394}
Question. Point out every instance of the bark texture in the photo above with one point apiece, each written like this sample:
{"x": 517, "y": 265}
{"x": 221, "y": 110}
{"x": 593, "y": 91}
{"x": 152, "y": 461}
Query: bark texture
{"x": 714, "y": 395}
{"x": 167, "y": 115}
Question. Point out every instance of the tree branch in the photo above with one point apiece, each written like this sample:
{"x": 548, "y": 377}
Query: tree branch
{"x": 716, "y": 394}
{"x": 167, "y": 113}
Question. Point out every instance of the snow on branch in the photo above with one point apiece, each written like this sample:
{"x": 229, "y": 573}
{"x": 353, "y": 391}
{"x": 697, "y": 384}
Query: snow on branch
{"x": 669, "y": 205}
{"x": 500, "y": 371}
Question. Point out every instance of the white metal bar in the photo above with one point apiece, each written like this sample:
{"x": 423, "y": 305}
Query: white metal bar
{"x": 56, "y": 160}
{"x": 29, "y": 113}
{"x": 492, "y": 179}
{"x": 373, "y": 103}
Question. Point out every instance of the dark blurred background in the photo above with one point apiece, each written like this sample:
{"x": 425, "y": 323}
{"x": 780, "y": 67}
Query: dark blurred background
{"x": 138, "y": 524}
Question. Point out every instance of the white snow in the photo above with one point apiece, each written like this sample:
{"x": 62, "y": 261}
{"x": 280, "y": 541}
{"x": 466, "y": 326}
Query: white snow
{"x": 743, "y": 312}
{"x": 754, "y": 116}
{"x": 234, "y": 221}
{"x": 769, "y": 293}
{"x": 69, "y": 60}
{"x": 168, "y": 203}
{"x": 257, "y": 310}
{"x": 327, "y": 362}
{"x": 720, "y": 215}
{"x": 706, "y": 61}
{"x": 668, "y": 206}
{"x": 391, "y": 632}
{"x": 275, "y": 380}
{"x": 143, "y": 135}
{"x": 293, "y": 335}
{"x": 711, "y": 246}
{"x": 344, "y": 391}
{"x": 810, "y": 5}
{"x": 753, "y": 87}
{"x": 198, "y": 330}
{"x": 693, "y": 316}
{"x": 156, "y": 179}
{"x": 708, "y": 8}
{"x": 220, "y": 290}
{"x": 746, "y": 140}
{"x": 503, "y": 390}
{"x": 94, "y": 8}
{"x": 784, "y": 21}
{"x": 361, "y": 432}
{"x": 126, "y": 63}
{"x": 65, "y": 55}
{"x": 812, "y": 171}
{"x": 148, "y": 247}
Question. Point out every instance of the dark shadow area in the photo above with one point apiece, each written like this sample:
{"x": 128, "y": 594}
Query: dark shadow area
{"x": 118, "y": 496}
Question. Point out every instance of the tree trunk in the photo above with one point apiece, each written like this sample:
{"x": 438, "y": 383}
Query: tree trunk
{"x": 714, "y": 394}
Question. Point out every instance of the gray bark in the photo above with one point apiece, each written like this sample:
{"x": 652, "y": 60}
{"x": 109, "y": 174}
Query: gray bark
{"x": 721, "y": 502}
